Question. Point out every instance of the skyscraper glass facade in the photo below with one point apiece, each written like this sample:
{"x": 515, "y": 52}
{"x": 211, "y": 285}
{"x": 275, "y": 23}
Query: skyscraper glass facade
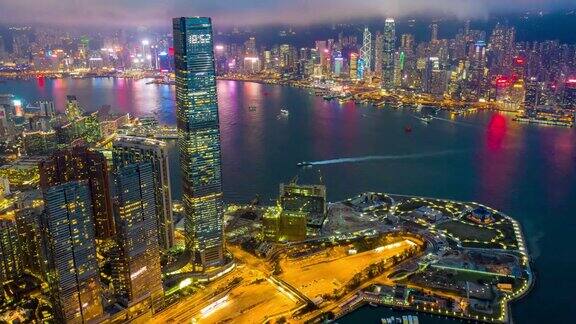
{"x": 128, "y": 150}
{"x": 137, "y": 274}
{"x": 388, "y": 55}
{"x": 72, "y": 265}
{"x": 199, "y": 139}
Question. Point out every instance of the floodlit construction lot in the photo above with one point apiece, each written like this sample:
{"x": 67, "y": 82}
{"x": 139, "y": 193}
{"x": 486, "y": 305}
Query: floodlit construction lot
{"x": 251, "y": 303}
{"x": 331, "y": 270}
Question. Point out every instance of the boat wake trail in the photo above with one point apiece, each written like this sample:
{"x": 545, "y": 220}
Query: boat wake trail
{"x": 387, "y": 157}
{"x": 456, "y": 122}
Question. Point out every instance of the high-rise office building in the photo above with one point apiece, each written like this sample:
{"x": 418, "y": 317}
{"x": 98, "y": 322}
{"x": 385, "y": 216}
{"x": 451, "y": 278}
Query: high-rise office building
{"x": 28, "y": 221}
{"x": 199, "y": 140}
{"x": 129, "y": 150}
{"x": 71, "y": 253}
{"x": 388, "y": 54}
{"x": 80, "y": 163}
{"x": 2, "y": 47}
{"x": 366, "y": 50}
{"x": 47, "y": 108}
{"x": 10, "y": 254}
{"x": 434, "y": 33}
{"x": 353, "y": 69}
{"x": 73, "y": 109}
{"x": 137, "y": 277}
{"x": 378, "y": 51}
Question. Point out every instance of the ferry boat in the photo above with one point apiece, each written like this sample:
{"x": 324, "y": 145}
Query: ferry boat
{"x": 284, "y": 112}
{"x": 406, "y": 319}
{"x": 424, "y": 119}
{"x": 252, "y": 108}
{"x": 304, "y": 164}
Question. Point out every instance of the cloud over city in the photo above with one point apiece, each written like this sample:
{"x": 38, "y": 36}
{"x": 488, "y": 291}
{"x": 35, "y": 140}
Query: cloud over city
{"x": 250, "y": 12}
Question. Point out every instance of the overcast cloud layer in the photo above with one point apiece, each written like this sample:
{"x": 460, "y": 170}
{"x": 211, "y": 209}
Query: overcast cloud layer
{"x": 250, "y": 12}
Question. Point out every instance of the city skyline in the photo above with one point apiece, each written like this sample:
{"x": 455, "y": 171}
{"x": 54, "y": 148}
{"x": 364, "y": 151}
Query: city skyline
{"x": 422, "y": 164}
{"x": 254, "y": 13}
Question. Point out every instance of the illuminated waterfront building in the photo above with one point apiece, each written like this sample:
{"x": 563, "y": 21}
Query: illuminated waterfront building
{"x": 301, "y": 210}
{"x": 80, "y": 163}
{"x": 137, "y": 277}
{"x": 307, "y": 199}
{"x": 366, "y": 50}
{"x": 283, "y": 54}
{"x": 323, "y": 54}
{"x": 534, "y": 90}
{"x": 128, "y": 150}
{"x": 73, "y": 109}
{"x": 399, "y": 59}
{"x": 388, "y": 53}
{"x": 199, "y": 140}
{"x": 86, "y": 128}
{"x": 39, "y": 143}
{"x": 47, "y": 108}
{"x": 569, "y": 94}
{"x": 361, "y": 69}
{"x": 378, "y": 51}
{"x": 73, "y": 275}
{"x": 338, "y": 64}
{"x": 353, "y": 66}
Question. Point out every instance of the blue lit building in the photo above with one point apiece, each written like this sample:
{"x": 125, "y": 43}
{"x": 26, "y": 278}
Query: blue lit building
{"x": 165, "y": 62}
{"x": 199, "y": 140}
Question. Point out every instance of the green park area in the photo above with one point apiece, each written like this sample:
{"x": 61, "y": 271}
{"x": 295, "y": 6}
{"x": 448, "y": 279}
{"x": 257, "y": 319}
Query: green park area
{"x": 469, "y": 232}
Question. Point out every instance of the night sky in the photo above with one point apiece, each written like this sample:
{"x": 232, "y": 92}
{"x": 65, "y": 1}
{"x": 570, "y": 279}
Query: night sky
{"x": 156, "y": 13}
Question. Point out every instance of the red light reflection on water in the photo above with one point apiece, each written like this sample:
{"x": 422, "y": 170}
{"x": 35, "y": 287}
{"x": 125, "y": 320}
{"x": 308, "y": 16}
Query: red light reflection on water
{"x": 497, "y": 164}
{"x": 496, "y": 133}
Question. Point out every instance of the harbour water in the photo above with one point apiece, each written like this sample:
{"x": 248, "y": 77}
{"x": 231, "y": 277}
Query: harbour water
{"x": 527, "y": 171}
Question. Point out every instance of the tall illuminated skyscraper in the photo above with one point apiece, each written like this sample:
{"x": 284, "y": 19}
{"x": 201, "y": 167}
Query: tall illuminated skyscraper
{"x": 199, "y": 140}
{"x": 378, "y": 51}
{"x": 129, "y": 150}
{"x": 81, "y": 163}
{"x": 137, "y": 275}
{"x": 388, "y": 54}
{"x": 353, "y": 69}
{"x": 73, "y": 274}
{"x": 434, "y": 33}
{"x": 366, "y": 50}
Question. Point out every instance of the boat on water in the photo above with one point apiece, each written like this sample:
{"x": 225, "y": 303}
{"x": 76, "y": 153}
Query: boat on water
{"x": 304, "y": 164}
{"x": 425, "y": 118}
{"x": 284, "y": 112}
{"x": 406, "y": 319}
{"x": 373, "y": 304}
{"x": 407, "y": 129}
{"x": 252, "y": 108}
